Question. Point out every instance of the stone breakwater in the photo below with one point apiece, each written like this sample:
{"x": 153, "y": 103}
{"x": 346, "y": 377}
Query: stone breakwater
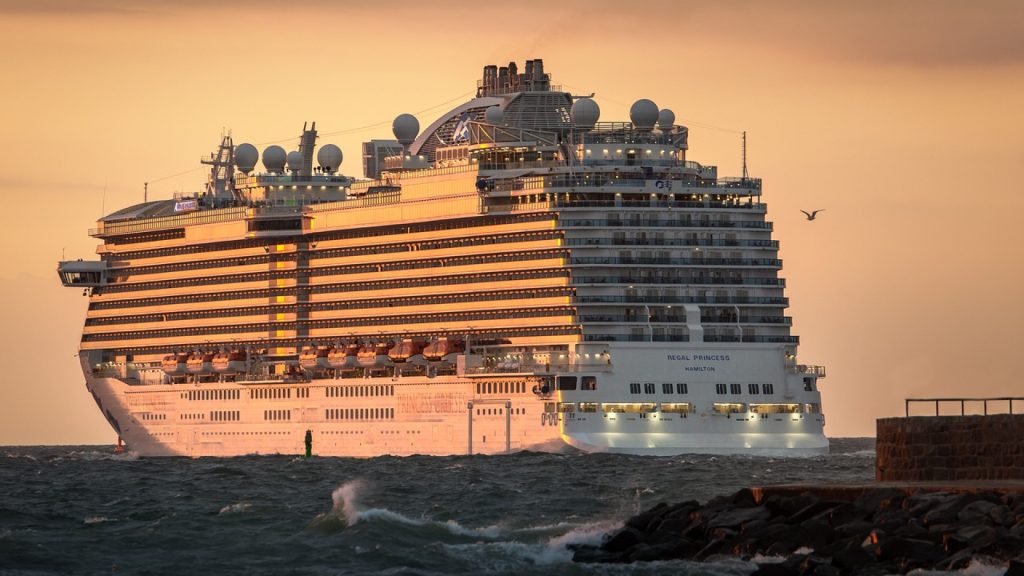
{"x": 830, "y": 531}
{"x": 950, "y": 448}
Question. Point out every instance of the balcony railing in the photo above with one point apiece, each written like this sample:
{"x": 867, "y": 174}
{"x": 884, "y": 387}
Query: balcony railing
{"x": 577, "y": 280}
{"x": 693, "y": 223}
{"x": 638, "y": 299}
{"x": 757, "y": 243}
{"x": 771, "y": 262}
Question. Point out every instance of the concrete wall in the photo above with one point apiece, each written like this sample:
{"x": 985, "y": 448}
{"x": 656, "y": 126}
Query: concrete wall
{"x": 928, "y": 448}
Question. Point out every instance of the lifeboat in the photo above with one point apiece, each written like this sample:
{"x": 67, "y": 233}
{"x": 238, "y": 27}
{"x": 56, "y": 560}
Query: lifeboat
{"x": 313, "y": 357}
{"x": 233, "y": 361}
{"x": 375, "y": 354}
{"x": 175, "y": 364}
{"x": 407, "y": 350}
{"x": 444, "y": 350}
{"x": 344, "y": 357}
{"x": 200, "y": 362}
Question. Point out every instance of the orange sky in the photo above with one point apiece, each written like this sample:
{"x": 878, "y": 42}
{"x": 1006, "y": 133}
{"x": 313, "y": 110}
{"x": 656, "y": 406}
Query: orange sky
{"x": 903, "y": 120}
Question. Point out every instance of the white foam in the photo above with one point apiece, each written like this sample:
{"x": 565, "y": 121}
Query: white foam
{"x": 344, "y": 498}
{"x": 346, "y": 505}
{"x": 97, "y": 520}
{"x": 235, "y": 508}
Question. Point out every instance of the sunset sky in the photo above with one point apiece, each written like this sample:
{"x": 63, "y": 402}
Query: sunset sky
{"x": 903, "y": 120}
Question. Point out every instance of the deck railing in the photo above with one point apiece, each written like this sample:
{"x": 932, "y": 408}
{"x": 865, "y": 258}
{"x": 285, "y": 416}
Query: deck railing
{"x": 963, "y": 403}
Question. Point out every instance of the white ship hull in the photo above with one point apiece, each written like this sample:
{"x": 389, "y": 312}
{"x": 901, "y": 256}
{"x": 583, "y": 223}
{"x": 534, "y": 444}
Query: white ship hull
{"x": 453, "y": 415}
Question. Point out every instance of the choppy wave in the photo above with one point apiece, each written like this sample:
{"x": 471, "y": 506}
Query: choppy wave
{"x": 73, "y": 509}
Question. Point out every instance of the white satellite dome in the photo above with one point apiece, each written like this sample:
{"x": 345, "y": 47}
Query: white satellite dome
{"x": 246, "y": 156}
{"x": 295, "y": 160}
{"x": 643, "y": 114}
{"x": 584, "y": 113}
{"x": 274, "y": 159}
{"x": 494, "y": 115}
{"x": 329, "y": 158}
{"x": 666, "y": 120}
{"x": 405, "y": 128}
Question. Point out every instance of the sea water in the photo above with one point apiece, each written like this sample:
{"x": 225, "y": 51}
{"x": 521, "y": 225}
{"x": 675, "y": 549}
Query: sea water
{"x": 85, "y": 510}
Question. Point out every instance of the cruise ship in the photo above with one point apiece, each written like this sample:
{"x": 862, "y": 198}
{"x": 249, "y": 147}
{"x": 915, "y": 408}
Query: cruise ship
{"x": 519, "y": 275}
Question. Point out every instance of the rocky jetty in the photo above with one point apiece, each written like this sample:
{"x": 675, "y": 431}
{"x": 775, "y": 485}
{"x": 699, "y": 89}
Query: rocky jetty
{"x": 880, "y": 530}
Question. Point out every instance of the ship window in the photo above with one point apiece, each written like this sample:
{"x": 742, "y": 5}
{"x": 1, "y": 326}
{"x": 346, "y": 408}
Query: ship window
{"x": 768, "y": 388}
{"x": 720, "y": 388}
{"x": 649, "y": 388}
{"x": 566, "y": 382}
{"x": 562, "y": 407}
{"x": 753, "y": 389}
{"x": 666, "y": 388}
{"x": 681, "y": 388}
{"x": 588, "y": 407}
{"x": 588, "y": 383}
{"x": 728, "y": 408}
{"x": 735, "y": 389}
{"x": 676, "y": 408}
{"x": 809, "y": 384}
{"x": 634, "y": 387}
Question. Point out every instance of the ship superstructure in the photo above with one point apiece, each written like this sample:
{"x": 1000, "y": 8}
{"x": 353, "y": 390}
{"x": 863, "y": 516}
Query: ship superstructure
{"x": 519, "y": 275}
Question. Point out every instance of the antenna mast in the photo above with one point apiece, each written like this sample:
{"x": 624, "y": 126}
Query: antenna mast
{"x": 744, "y": 155}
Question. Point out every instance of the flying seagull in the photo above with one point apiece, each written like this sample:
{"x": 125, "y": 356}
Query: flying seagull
{"x": 812, "y": 215}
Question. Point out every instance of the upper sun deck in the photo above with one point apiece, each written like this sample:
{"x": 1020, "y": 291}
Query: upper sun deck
{"x": 521, "y": 135}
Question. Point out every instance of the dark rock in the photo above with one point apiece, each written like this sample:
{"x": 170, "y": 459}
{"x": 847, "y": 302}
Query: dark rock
{"x": 672, "y": 526}
{"x": 899, "y": 548}
{"x": 681, "y": 510}
{"x": 814, "y": 534}
{"x": 591, "y": 555}
{"x": 1003, "y": 515}
{"x": 946, "y": 512}
{"x": 642, "y": 520}
{"x": 826, "y": 570}
{"x": 880, "y": 569}
{"x": 914, "y": 529}
{"x": 856, "y": 528}
{"x": 643, "y": 552}
{"x": 811, "y": 510}
{"x": 774, "y": 569}
{"x": 976, "y": 538}
{"x": 843, "y": 513}
{"x": 892, "y": 519}
{"x": 737, "y": 517}
{"x": 780, "y": 505}
{"x": 976, "y": 512}
{"x": 1016, "y": 568}
{"x": 744, "y": 498}
{"x": 782, "y": 547}
{"x": 921, "y": 503}
{"x": 851, "y": 557}
{"x": 874, "y": 500}
{"x": 957, "y": 561}
{"x": 622, "y": 540}
{"x": 713, "y": 547}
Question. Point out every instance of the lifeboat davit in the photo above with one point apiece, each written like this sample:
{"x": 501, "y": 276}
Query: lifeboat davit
{"x": 312, "y": 357}
{"x": 200, "y": 363}
{"x": 175, "y": 364}
{"x": 407, "y": 351}
{"x": 444, "y": 350}
{"x": 375, "y": 355}
{"x": 233, "y": 361}
{"x": 344, "y": 356}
